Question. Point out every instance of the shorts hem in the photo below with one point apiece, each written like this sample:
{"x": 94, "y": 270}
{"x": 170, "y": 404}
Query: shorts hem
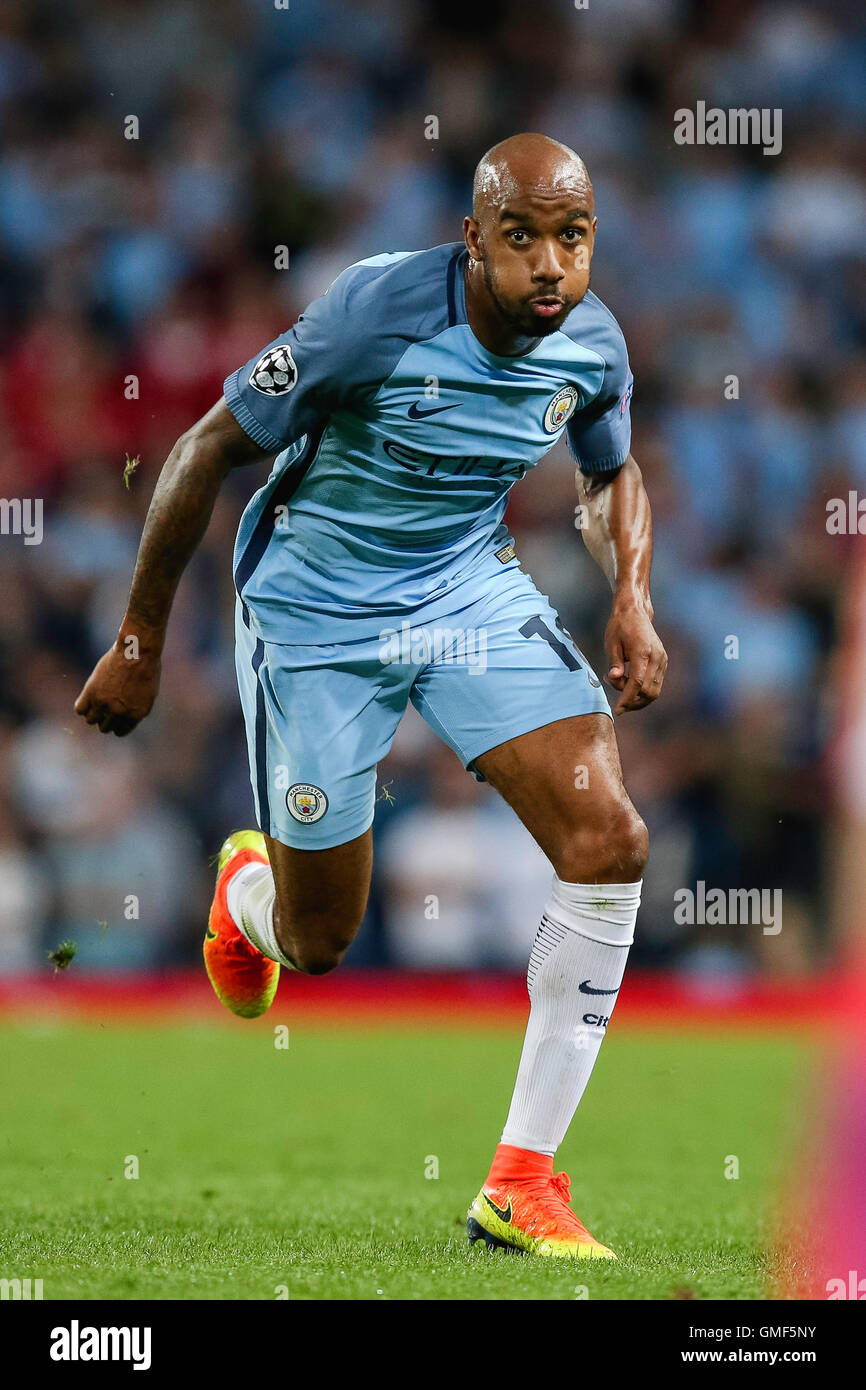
{"x": 300, "y": 839}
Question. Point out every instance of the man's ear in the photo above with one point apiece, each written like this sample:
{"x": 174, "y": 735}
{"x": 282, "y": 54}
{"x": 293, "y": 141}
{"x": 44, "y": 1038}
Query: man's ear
{"x": 472, "y": 237}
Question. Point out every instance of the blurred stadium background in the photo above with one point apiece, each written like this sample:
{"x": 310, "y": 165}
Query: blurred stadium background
{"x": 154, "y": 258}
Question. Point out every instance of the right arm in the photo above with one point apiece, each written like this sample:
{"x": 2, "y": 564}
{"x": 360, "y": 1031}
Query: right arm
{"x": 124, "y": 683}
{"x": 287, "y": 390}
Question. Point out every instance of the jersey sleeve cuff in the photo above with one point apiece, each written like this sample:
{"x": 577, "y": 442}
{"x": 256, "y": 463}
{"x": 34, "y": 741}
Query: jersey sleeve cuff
{"x": 247, "y": 421}
{"x": 603, "y": 465}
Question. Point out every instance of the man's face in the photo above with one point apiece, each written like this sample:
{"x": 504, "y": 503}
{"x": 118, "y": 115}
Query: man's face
{"x": 535, "y": 250}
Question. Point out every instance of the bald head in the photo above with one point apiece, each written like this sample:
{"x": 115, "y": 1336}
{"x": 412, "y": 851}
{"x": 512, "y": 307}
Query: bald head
{"x": 526, "y": 164}
{"x": 529, "y": 241}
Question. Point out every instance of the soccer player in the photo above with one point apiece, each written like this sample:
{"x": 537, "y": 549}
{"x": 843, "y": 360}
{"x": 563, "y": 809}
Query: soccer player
{"x": 401, "y": 408}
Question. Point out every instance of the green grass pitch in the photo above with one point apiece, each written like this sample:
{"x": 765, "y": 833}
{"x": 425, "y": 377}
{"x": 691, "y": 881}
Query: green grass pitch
{"x": 268, "y": 1172}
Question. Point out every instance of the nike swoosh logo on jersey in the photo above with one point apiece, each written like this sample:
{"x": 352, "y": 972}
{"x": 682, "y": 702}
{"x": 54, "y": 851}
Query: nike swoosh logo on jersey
{"x": 504, "y": 1215}
{"x": 586, "y": 988}
{"x": 416, "y": 413}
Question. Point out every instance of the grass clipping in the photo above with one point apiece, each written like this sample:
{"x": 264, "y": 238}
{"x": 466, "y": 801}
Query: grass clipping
{"x": 62, "y": 957}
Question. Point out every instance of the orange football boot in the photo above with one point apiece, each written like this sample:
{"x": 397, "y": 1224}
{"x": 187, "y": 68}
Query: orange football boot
{"x": 524, "y": 1206}
{"x": 243, "y": 979}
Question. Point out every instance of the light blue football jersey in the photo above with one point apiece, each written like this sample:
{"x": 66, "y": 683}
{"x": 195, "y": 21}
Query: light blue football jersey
{"x": 399, "y": 437}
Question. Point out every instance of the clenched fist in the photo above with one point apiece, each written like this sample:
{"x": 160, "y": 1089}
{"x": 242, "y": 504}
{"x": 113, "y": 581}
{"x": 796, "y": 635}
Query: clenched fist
{"x": 122, "y": 687}
{"x": 638, "y": 660}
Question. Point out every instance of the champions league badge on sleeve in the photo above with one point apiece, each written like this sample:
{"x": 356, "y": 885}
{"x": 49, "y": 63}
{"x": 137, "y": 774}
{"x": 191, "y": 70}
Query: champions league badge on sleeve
{"x": 275, "y": 372}
{"x": 306, "y": 803}
{"x": 561, "y": 408}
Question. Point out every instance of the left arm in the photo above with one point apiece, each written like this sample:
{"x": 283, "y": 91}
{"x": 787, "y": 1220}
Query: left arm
{"x": 618, "y": 536}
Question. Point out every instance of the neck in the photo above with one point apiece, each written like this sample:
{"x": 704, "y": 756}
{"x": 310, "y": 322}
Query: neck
{"x": 486, "y": 319}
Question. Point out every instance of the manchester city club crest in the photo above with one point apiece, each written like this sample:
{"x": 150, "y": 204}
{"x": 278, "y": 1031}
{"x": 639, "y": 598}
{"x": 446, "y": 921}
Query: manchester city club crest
{"x": 275, "y": 372}
{"x": 561, "y": 408}
{"x": 306, "y": 803}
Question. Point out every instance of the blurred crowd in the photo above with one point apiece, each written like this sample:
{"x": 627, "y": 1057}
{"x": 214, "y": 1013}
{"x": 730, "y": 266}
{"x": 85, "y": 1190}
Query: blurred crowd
{"x": 154, "y": 154}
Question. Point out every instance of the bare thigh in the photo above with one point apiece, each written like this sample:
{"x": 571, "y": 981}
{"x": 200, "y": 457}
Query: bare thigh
{"x": 565, "y": 783}
{"x": 321, "y": 896}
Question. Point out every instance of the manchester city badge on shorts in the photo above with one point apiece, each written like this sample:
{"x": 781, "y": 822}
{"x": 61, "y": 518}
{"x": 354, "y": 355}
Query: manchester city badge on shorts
{"x": 275, "y": 372}
{"x": 306, "y": 803}
{"x": 561, "y": 408}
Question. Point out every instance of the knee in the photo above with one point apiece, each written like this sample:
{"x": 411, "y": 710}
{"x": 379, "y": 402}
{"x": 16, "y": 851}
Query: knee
{"x": 316, "y": 945}
{"x": 614, "y": 849}
{"x": 631, "y": 846}
{"x": 315, "y": 958}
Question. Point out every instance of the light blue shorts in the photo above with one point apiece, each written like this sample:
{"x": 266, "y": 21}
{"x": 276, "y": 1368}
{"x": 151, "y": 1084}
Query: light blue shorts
{"x": 320, "y": 718}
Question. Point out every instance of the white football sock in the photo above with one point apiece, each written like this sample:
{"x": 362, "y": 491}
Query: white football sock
{"x": 575, "y": 971}
{"x": 250, "y": 900}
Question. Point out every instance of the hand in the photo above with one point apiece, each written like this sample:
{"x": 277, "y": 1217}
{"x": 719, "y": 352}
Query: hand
{"x": 121, "y": 689}
{"x": 638, "y": 660}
